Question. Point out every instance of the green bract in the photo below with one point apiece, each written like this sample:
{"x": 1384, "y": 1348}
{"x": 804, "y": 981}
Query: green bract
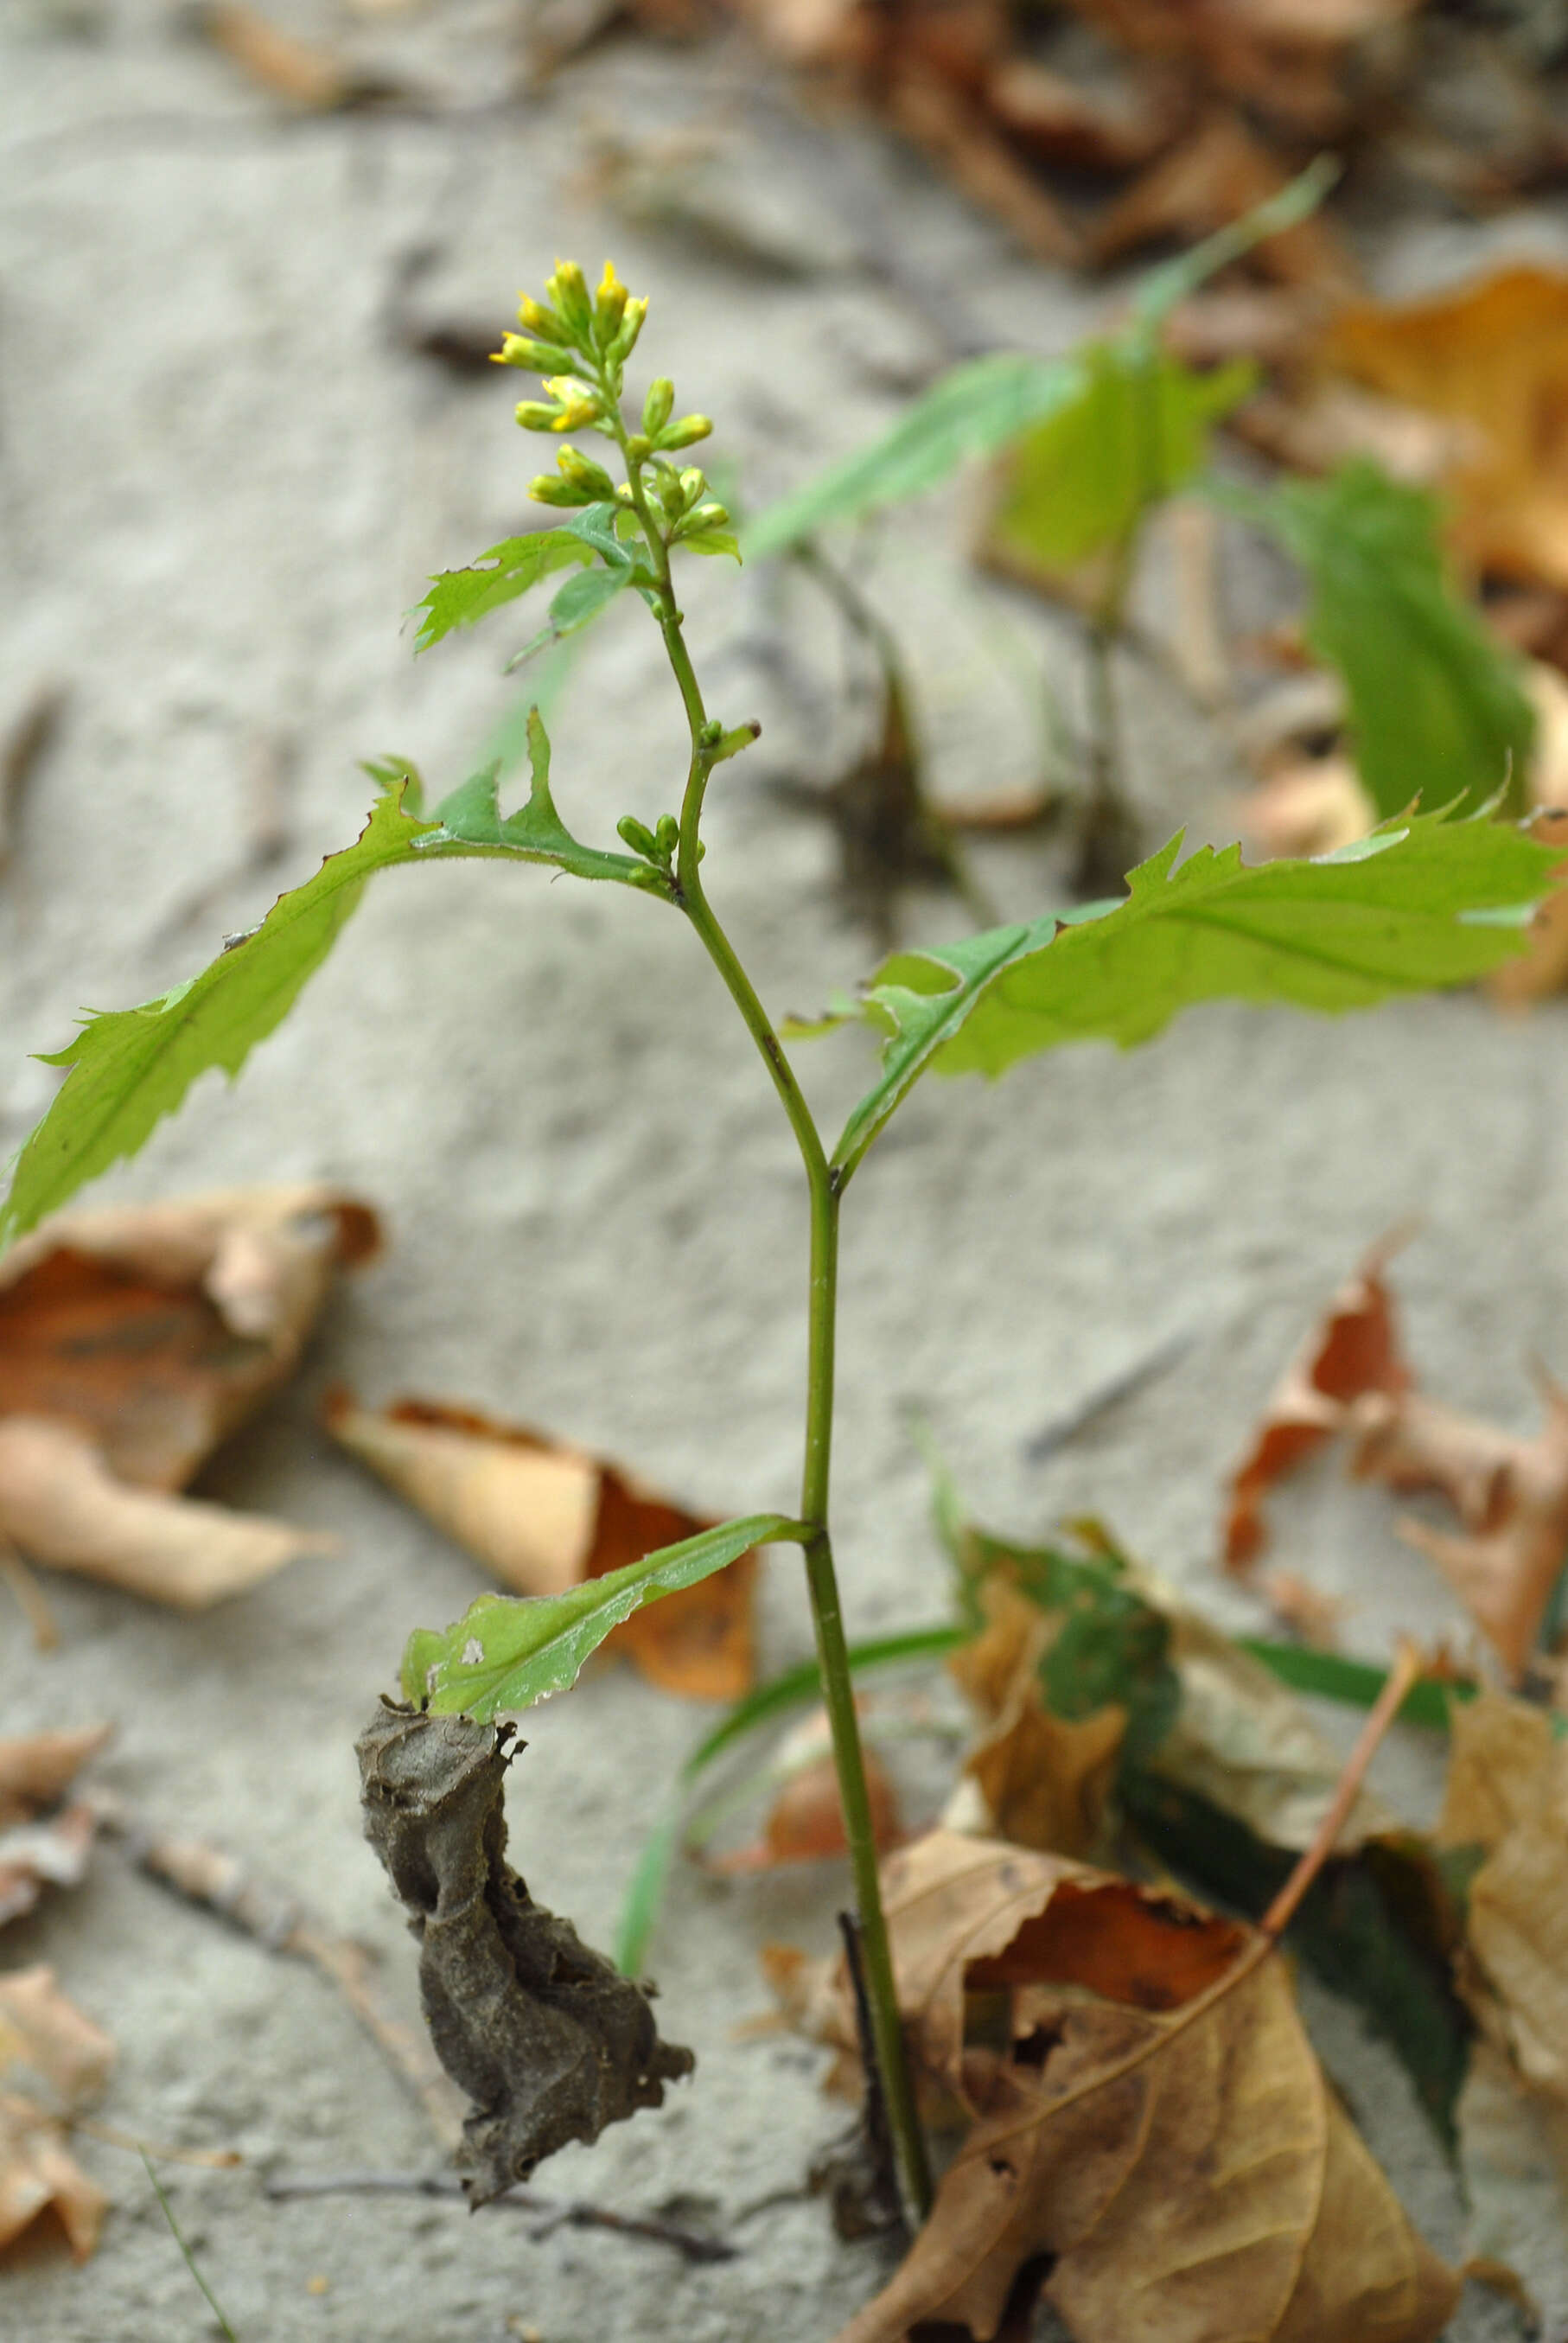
{"x": 509, "y": 1651}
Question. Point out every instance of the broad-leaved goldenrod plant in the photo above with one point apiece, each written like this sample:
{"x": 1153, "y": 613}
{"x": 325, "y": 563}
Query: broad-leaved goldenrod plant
{"x": 1425, "y": 902}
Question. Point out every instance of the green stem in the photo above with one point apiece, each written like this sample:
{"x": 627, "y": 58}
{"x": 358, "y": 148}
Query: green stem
{"x": 826, "y": 1610}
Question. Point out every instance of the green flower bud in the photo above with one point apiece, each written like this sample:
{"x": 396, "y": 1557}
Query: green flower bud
{"x": 535, "y": 415}
{"x": 708, "y": 517}
{"x": 711, "y": 733}
{"x": 547, "y": 491}
{"x": 567, "y": 289}
{"x": 584, "y": 473}
{"x": 645, "y": 875}
{"x": 667, "y": 837}
{"x": 580, "y": 405}
{"x": 610, "y": 307}
{"x": 537, "y": 319}
{"x": 625, "y": 342}
{"x": 638, "y": 447}
{"x": 539, "y": 357}
{"x": 623, "y": 493}
{"x": 690, "y": 428}
{"x": 657, "y": 407}
{"x": 636, "y": 836}
{"x": 692, "y": 483}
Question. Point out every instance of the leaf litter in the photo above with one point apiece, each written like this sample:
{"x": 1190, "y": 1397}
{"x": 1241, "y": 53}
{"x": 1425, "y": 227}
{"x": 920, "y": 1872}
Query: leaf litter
{"x": 1351, "y": 1380}
{"x": 45, "y": 1838}
{"x": 133, "y": 1341}
{"x": 47, "y": 2044}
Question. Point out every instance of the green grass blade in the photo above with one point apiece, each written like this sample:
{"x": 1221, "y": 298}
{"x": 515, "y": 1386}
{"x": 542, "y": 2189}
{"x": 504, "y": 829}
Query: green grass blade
{"x": 792, "y": 1689}
{"x": 190, "y": 2260}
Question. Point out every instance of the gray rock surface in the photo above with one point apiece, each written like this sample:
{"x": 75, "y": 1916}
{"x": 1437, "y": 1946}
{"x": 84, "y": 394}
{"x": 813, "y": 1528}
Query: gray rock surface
{"x": 222, "y": 479}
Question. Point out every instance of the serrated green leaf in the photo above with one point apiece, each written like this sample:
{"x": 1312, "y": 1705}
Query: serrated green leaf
{"x": 471, "y": 817}
{"x": 130, "y": 1067}
{"x": 1435, "y": 704}
{"x": 578, "y": 603}
{"x": 1137, "y": 430}
{"x": 509, "y": 1651}
{"x": 972, "y": 411}
{"x": 460, "y": 598}
{"x": 1419, "y": 905}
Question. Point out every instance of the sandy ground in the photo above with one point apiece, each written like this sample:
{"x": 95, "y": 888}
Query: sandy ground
{"x": 221, "y": 482}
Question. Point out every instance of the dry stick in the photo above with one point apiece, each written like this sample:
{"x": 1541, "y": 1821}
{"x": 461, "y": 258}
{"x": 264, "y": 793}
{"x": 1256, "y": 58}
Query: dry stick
{"x": 1406, "y": 1669}
{"x": 219, "y": 1883}
{"x": 574, "y": 2214}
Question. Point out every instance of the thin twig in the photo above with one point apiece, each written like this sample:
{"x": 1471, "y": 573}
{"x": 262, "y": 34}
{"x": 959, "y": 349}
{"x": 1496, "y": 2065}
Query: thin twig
{"x": 219, "y": 1883}
{"x": 1403, "y": 1674}
{"x": 213, "y": 2303}
{"x": 30, "y": 1598}
{"x": 572, "y": 2215}
{"x": 1077, "y": 1419}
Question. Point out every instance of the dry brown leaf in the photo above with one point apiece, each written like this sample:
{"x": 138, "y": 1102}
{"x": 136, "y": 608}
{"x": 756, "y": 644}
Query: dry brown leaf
{"x": 1214, "y": 2189}
{"x": 1305, "y": 1609}
{"x": 59, "y": 1501}
{"x": 544, "y": 1516}
{"x": 302, "y": 72}
{"x": 42, "y": 2034}
{"x": 157, "y": 1329}
{"x": 1306, "y": 63}
{"x": 133, "y": 1340}
{"x": 1212, "y": 178}
{"x": 806, "y": 1821}
{"x": 37, "y": 1768}
{"x": 1514, "y": 2161}
{"x": 955, "y": 131}
{"x": 1351, "y": 1350}
{"x": 1117, "y": 120}
{"x": 1311, "y": 807}
{"x": 1317, "y": 428}
{"x": 1542, "y": 967}
{"x": 1493, "y": 358}
{"x": 1046, "y": 1781}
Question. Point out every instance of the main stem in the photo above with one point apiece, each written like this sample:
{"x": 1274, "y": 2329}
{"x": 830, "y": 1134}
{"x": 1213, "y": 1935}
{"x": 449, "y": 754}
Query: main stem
{"x": 821, "y": 1578}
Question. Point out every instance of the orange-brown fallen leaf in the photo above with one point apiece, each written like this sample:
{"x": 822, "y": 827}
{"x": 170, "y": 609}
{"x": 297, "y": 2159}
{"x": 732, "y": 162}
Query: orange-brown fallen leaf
{"x": 1511, "y": 1493}
{"x": 804, "y": 1823}
{"x": 1193, "y": 2178}
{"x": 544, "y": 1516}
{"x": 45, "y": 2039}
{"x": 133, "y": 1340}
{"x": 1492, "y": 357}
{"x": 37, "y": 1768}
{"x": 1352, "y": 1350}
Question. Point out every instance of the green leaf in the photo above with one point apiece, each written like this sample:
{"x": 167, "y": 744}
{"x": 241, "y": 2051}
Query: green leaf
{"x": 577, "y": 606}
{"x": 712, "y": 540}
{"x": 1330, "y": 1675}
{"x": 509, "y": 1651}
{"x": 1436, "y": 708}
{"x": 471, "y": 817}
{"x": 1137, "y": 430}
{"x": 460, "y": 598}
{"x": 972, "y": 411}
{"x": 987, "y": 402}
{"x": 1421, "y": 904}
{"x": 130, "y": 1067}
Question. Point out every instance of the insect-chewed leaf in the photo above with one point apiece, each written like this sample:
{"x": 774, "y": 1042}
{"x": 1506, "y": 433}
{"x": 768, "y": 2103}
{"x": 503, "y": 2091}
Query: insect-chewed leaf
{"x": 460, "y": 598}
{"x": 1436, "y": 704}
{"x": 1420, "y": 904}
{"x": 972, "y": 411}
{"x": 130, "y": 1067}
{"x": 507, "y": 1652}
{"x": 471, "y": 817}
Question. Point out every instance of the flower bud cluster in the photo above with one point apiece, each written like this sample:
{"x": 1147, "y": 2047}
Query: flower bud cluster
{"x": 580, "y": 341}
{"x": 657, "y": 847}
{"x": 679, "y": 498}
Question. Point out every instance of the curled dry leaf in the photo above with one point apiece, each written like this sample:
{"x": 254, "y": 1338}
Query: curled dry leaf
{"x": 548, "y": 2041}
{"x": 544, "y": 1517}
{"x": 42, "y": 1842}
{"x": 1191, "y": 2181}
{"x": 133, "y": 1340}
{"x": 1506, "y": 1801}
{"x": 45, "y": 2038}
{"x": 1511, "y": 1493}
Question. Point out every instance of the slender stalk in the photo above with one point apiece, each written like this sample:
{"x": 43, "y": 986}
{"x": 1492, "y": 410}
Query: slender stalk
{"x": 822, "y": 1180}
